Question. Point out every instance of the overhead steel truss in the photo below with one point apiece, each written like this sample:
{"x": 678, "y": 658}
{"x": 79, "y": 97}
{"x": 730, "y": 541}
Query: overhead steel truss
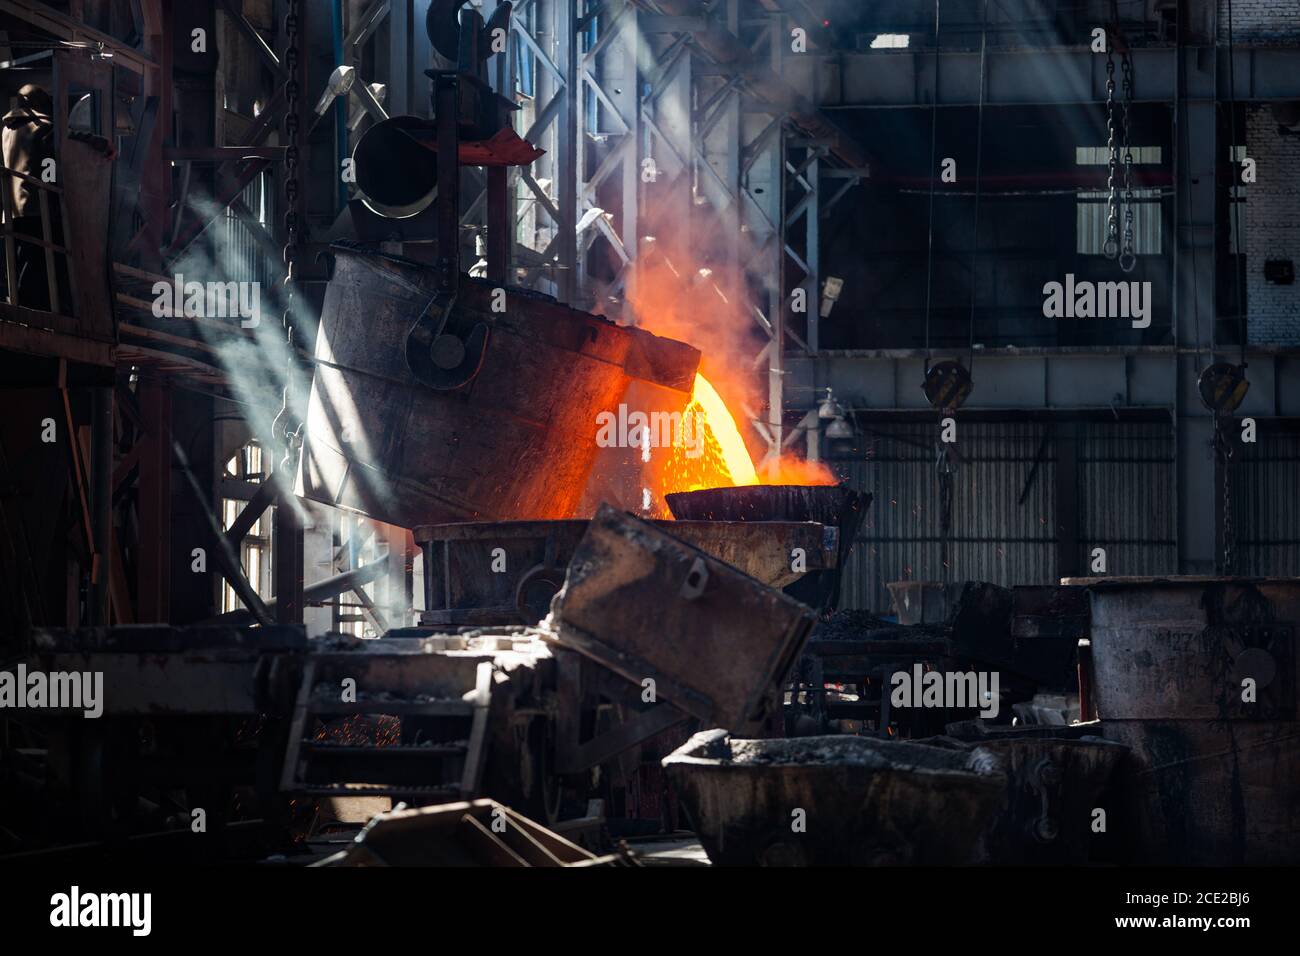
{"x": 625, "y": 96}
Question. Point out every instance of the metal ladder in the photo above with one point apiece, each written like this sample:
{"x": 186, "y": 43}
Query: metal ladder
{"x": 422, "y": 772}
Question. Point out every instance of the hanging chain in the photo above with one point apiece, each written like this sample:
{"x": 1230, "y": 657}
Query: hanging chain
{"x": 1111, "y": 247}
{"x": 290, "y": 432}
{"x": 945, "y": 466}
{"x": 1226, "y": 452}
{"x": 291, "y": 119}
{"x": 1127, "y": 256}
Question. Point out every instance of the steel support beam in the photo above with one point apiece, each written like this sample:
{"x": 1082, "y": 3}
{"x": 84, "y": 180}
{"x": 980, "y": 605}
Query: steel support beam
{"x": 331, "y": 587}
{"x": 101, "y": 501}
{"x": 1032, "y": 76}
{"x": 1197, "y": 148}
{"x": 153, "y": 504}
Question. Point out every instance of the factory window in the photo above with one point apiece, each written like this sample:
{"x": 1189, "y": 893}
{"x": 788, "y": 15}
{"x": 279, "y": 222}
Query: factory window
{"x": 357, "y": 543}
{"x": 1091, "y": 216}
{"x": 245, "y": 258}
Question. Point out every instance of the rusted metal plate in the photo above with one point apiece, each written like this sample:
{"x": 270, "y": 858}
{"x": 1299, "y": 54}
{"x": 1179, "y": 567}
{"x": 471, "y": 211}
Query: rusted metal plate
{"x": 159, "y": 669}
{"x": 189, "y": 683}
{"x": 516, "y": 441}
{"x": 1179, "y": 649}
{"x": 419, "y": 671}
{"x": 483, "y": 573}
{"x": 836, "y": 506}
{"x": 1209, "y": 793}
{"x": 462, "y": 834}
{"x": 764, "y": 550}
{"x": 164, "y": 638}
{"x": 1215, "y": 777}
{"x": 1054, "y": 783}
{"x": 646, "y": 605}
{"x": 863, "y": 801}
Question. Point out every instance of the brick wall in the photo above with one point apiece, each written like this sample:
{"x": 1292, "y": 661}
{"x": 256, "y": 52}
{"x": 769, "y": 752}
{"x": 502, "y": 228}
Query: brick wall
{"x": 1272, "y": 226}
{"x": 1261, "y": 21}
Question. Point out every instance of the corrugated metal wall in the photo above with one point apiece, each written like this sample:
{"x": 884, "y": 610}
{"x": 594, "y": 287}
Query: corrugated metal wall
{"x": 1265, "y": 487}
{"x": 1124, "y": 480}
{"x": 1126, "y": 497}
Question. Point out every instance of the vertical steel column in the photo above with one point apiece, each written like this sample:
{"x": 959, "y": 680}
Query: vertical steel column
{"x": 153, "y": 562}
{"x": 155, "y": 178}
{"x": 501, "y": 181}
{"x": 400, "y": 53}
{"x": 564, "y": 19}
{"x": 622, "y": 72}
{"x": 805, "y": 177}
{"x": 1197, "y": 150}
{"x": 447, "y": 113}
{"x": 498, "y": 224}
{"x": 608, "y": 73}
{"x": 779, "y": 304}
{"x": 569, "y": 70}
{"x": 534, "y": 22}
{"x": 101, "y": 500}
{"x": 812, "y": 282}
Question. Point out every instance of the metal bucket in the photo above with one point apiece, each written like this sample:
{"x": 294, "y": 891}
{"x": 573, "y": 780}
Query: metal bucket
{"x": 507, "y": 429}
{"x": 1215, "y": 779}
{"x": 863, "y": 801}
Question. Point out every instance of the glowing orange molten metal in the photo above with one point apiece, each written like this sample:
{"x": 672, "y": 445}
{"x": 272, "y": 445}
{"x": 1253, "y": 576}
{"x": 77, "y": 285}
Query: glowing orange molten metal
{"x": 724, "y": 460}
{"x": 680, "y": 291}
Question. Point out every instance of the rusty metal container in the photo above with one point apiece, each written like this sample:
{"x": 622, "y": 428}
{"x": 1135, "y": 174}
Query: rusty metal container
{"x": 1056, "y": 777}
{"x": 1215, "y": 779}
{"x": 836, "y": 506}
{"x": 865, "y": 801}
{"x": 506, "y": 572}
{"x": 646, "y": 605}
{"x": 493, "y": 419}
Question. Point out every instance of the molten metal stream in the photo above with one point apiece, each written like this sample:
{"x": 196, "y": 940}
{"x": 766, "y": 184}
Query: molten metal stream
{"x": 721, "y": 460}
{"x": 740, "y": 467}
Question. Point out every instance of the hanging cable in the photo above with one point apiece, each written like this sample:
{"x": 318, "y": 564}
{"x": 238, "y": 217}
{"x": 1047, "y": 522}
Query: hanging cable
{"x": 934, "y": 124}
{"x": 979, "y": 170}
